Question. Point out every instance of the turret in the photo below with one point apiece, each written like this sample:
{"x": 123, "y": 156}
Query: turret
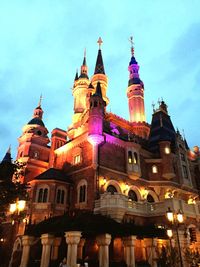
{"x": 33, "y": 143}
{"x": 99, "y": 73}
{"x": 80, "y": 91}
{"x": 162, "y": 139}
{"x": 135, "y": 91}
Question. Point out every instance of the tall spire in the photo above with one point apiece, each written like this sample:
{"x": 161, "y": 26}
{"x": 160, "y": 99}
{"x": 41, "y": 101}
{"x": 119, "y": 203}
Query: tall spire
{"x": 84, "y": 68}
{"x": 76, "y": 76}
{"x": 7, "y": 157}
{"x": 99, "y": 67}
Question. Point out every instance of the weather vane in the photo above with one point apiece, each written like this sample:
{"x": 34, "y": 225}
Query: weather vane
{"x": 40, "y": 101}
{"x": 132, "y": 45}
{"x": 100, "y": 42}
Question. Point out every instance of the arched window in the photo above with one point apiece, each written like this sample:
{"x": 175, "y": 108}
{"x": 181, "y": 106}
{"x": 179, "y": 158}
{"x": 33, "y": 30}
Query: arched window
{"x": 82, "y": 191}
{"x": 150, "y": 199}
{"x": 60, "y": 198}
{"x": 135, "y": 159}
{"x": 130, "y": 158}
{"x": 132, "y": 196}
{"x": 42, "y": 195}
{"x": 111, "y": 189}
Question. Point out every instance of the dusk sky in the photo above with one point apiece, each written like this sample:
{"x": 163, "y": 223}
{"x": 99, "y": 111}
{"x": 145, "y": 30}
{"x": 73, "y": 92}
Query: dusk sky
{"x": 42, "y": 45}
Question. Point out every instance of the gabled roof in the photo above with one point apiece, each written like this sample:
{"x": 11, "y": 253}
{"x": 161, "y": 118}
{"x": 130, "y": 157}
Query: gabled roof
{"x": 53, "y": 174}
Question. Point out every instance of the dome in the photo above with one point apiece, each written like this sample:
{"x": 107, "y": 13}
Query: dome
{"x": 37, "y": 121}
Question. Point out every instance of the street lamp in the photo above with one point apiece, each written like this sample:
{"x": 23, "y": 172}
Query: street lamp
{"x": 18, "y": 206}
{"x": 175, "y": 219}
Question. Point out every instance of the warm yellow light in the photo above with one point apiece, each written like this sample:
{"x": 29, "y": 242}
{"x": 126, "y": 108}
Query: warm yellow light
{"x": 13, "y": 207}
{"x": 167, "y": 150}
{"x": 191, "y": 201}
{"x": 154, "y": 169}
{"x": 169, "y": 233}
{"x": 144, "y": 193}
{"x": 21, "y": 205}
{"x": 126, "y": 186}
{"x": 170, "y": 215}
{"x": 169, "y": 194}
{"x": 180, "y": 217}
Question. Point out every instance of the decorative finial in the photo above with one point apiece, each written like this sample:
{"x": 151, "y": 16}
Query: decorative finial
{"x": 100, "y": 42}
{"x": 153, "y": 106}
{"x": 40, "y": 101}
{"x": 132, "y": 45}
{"x": 85, "y": 52}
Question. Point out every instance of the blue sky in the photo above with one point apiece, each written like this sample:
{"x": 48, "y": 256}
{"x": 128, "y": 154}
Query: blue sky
{"x": 42, "y": 45}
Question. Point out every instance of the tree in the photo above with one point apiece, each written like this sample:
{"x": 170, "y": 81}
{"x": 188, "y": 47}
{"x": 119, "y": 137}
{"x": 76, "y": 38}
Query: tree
{"x": 192, "y": 257}
{"x": 10, "y": 186}
{"x": 168, "y": 257}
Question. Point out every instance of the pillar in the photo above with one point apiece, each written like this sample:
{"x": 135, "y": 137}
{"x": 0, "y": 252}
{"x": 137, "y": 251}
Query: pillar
{"x": 103, "y": 242}
{"x": 151, "y": 244}
{"x": 27, "y": 241}
{"x": 72, "y": 240}
{"x": 56, "y": 244}
{"x": 47, "y": 241}
{"x": 183, "y": 244}
{"x": 80, "y": 248}
{"x": 129, "y": 251}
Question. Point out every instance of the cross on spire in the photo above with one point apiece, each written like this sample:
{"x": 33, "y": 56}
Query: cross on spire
{"x": 132, "y": 45}
{"x": 100, "y": 42}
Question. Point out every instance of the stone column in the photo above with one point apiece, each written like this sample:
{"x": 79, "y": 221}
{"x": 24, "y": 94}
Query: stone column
{"x": 72, "y": 240}
{"x": 27, "y": 241}
{"x": 151, "y": 245}
{"x": 183, "y": 244}
{"x": 103, "y": 242}
{"x": 144, "y": 253}
{"x": 80, "y": 248}
{"x": 56, "y": 244}
{"x": 129, "y": 252}
{"x": 47, "y": 241}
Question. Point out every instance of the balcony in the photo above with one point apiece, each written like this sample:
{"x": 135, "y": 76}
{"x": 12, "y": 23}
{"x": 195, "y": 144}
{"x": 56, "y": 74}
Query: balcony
{"x": 117, "y": 205}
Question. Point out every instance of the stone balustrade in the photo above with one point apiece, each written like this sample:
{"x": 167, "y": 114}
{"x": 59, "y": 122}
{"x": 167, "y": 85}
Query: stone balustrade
{"x": 118, "y": 205}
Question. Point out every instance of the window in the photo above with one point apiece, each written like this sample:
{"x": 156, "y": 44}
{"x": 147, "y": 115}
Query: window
{"x": 111, "y": 189}
{"x": 185, "y": 172}
{"x": 135, "y": 158}
{"x": 130, "y": 158}
{"x": 132, "y": 195}
{"x": 82, "y": 192}
{"x": 154, "y": 169}
{"x": 42, "y": 195}
{"x": 60, "y": 198}
{"x": 77, "y": 159}
{"x": 167, "y": 150}
{"x": 182, "y": 157}
{"x": 150, "y": 199}
{"x": 36, "y": 154}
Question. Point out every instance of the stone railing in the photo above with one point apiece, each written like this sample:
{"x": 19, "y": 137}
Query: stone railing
{"x": 118, "y": 205}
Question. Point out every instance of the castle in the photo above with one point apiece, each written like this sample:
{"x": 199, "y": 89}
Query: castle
{"x": 128, "y": 170}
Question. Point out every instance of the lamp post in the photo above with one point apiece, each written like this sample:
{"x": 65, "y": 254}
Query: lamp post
{"x": 175, "y": 219}
{"x": 17, "y": 207}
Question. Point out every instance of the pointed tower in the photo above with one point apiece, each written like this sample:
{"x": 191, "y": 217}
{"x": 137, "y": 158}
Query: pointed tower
{"x": 135, "y": 90}
{"x": 33, "y": 145}
{"x": 6, "y": 167}
{"x": 95, "y": 122}
{"x": 80, "y": 91}
{"x": 99, "y": 73}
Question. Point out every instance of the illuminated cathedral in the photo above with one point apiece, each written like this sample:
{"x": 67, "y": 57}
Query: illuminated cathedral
{"x": 104, "y": 167}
